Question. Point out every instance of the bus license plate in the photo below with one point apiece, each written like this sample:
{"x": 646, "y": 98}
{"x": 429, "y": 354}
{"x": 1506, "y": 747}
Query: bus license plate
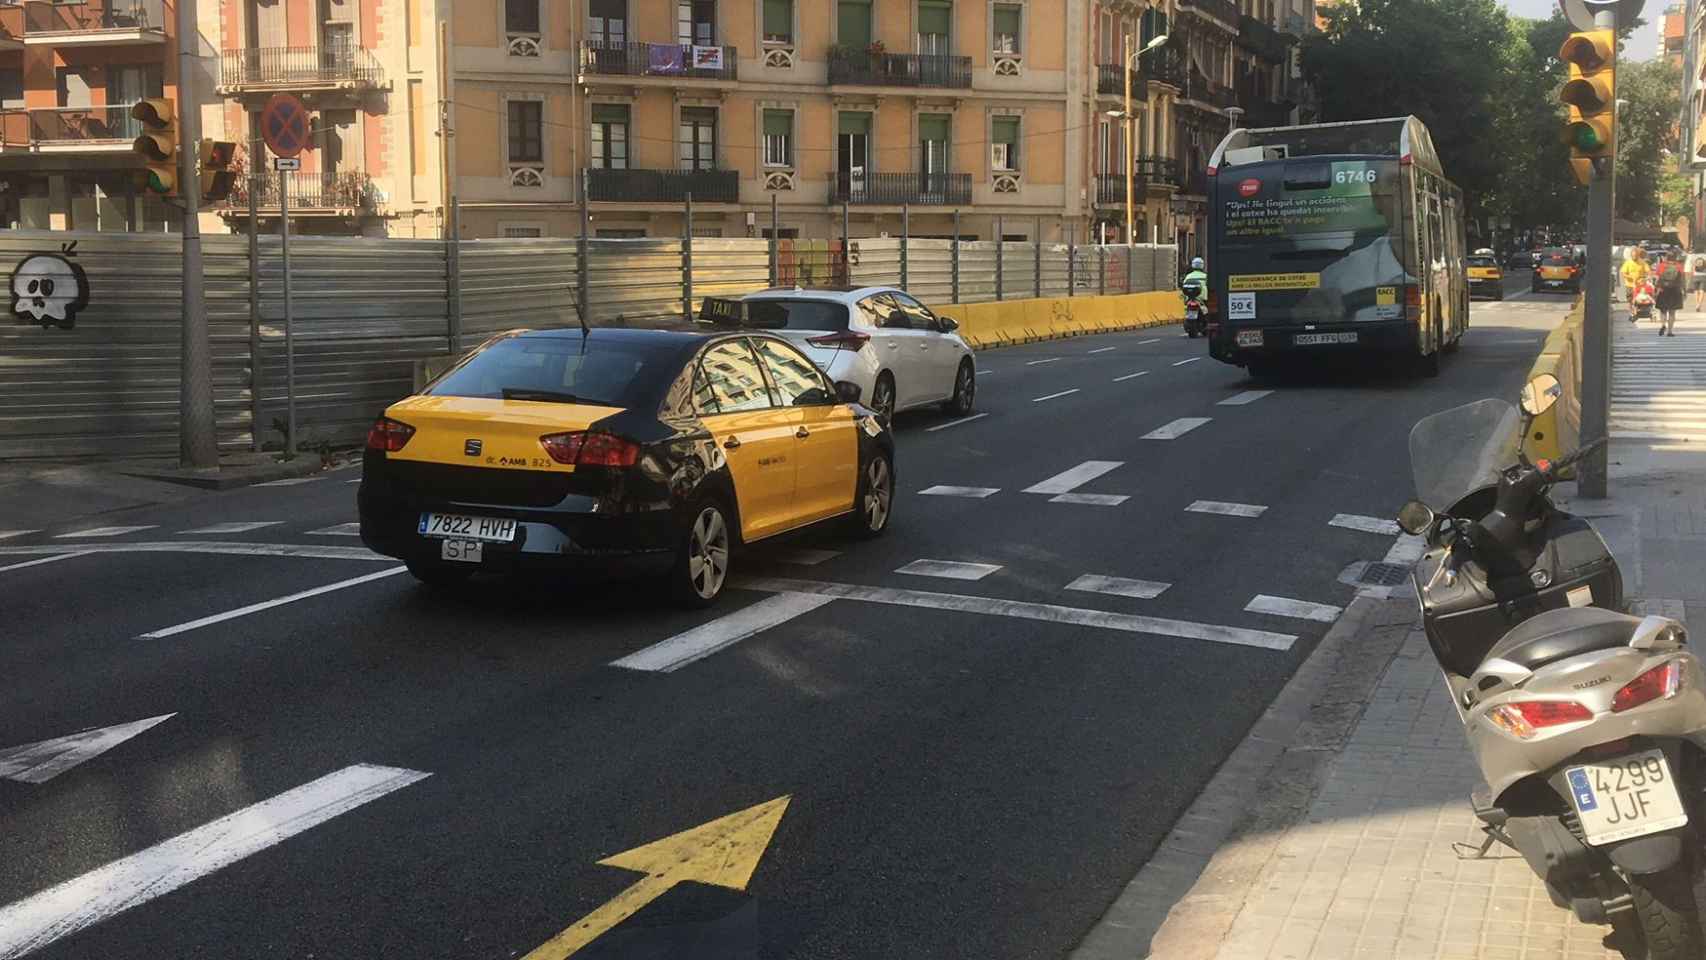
{"x": 1249, "y": 338}
{"x": 1630, "y": 796}
{"x": 455, "y": 526}
{"x": 1311, "y": 339}
{"x": 462, "y": 551}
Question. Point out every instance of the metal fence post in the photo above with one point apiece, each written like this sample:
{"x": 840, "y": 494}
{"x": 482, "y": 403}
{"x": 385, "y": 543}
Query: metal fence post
{"x": 775, "y": 232}
{"x": 687, "y": 261}
{"x": 905, "y": 232}
{"x": 955, "y": 256}
{"x": 256, "y": 381}
{"x": 1101, "y": 270}
{"x": 1000, "y": 246}
{"x": 846, "y": 254}
{"x": 1037, "y": 277}
{"x": 1130, "y": 268}
{"x": 583, "y": 263}
{"x": 1071, "y": 261}
{"x": 453, "y": 274}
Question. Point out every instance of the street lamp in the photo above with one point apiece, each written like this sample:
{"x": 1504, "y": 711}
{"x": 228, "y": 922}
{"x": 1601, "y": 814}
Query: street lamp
{"x": 1130, "y": 64}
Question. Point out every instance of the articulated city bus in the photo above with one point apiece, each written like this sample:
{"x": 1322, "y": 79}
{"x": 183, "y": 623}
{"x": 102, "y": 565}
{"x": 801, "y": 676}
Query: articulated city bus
{"x": 1332, "y": 238}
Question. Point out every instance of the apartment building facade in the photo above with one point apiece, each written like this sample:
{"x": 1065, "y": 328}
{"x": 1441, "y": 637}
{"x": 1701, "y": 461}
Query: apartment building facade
{"x": 1691, "y": 156}
{"x": 69, "y": 74}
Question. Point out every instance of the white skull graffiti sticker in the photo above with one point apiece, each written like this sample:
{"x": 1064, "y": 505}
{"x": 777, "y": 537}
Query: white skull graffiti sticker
{"x": 49, "y": 289}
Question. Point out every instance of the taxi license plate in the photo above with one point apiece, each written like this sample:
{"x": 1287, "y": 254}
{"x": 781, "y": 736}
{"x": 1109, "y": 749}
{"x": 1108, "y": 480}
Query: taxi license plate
{"x": 462, "y": 551}
{"x": 1630, "y": 796}
{"x": 1311, "y": 339}
{"x": 458, "y": 527}
{"x": 1249, "y": 338}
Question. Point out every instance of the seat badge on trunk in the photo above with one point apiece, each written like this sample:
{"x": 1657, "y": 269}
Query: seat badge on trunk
{"x": 471, "y": 447}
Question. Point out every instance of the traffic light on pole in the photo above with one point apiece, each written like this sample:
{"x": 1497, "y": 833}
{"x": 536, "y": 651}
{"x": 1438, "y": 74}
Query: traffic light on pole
{"x": 216, "y": 175}
{"x": 158, "y": 143}
{"x": 1591, "y": 95}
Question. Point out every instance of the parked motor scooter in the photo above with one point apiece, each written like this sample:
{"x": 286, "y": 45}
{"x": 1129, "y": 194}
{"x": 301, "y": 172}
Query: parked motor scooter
{"x": 1196, "y": 318}
{"x": 1588, "y": 724}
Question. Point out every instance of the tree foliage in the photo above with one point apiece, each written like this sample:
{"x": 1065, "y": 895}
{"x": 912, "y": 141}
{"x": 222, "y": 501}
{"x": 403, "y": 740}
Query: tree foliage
{"x": 1646, "y": 136}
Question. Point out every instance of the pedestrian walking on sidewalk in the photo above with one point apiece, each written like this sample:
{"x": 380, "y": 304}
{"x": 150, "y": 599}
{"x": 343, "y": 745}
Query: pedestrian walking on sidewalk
{"x": 1697, "y": 280}
{"x": 1669, "y": 279}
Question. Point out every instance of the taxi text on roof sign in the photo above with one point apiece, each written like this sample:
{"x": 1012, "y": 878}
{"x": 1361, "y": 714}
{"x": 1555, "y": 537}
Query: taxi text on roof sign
{"x": 1274, "y": 281}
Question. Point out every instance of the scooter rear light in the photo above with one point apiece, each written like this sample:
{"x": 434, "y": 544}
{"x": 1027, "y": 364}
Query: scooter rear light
{"x": 1660, "y": 683}
{"x": 1526, "y": 718}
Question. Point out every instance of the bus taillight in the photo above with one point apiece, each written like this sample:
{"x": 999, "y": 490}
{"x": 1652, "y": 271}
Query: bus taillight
{"x": 1412, "y": 302}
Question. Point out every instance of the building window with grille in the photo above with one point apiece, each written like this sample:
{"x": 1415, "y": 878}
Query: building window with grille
{"x": 696, "y": 22}
{"x": 526, "y": 131}
{"x": 609, "y": 136}
{"x": 1004, "y": 144}
{"x": 778, "y": 21}
{"x": 933, "y": 132}
{"x": 935, "y": 25}
{"x": 607, "y": 22}
{"x": 698, "y": 138}
{"x": 521, "y": 16}
{"x": 778, "y": 138}
{"x": 1009, "y": 28}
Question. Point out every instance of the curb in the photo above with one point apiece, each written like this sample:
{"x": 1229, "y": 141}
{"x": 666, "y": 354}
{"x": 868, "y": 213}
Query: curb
{"x": 230, "y": 476}
{"x": 1266, "y": 783}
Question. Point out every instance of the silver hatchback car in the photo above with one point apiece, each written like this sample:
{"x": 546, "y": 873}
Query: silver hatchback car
{"x": 900, "y": 354}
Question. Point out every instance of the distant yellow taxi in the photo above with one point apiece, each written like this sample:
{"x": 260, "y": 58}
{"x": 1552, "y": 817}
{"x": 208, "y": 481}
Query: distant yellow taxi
{"x": 1557, "y": 271}
{"x": 1485, "y": 277}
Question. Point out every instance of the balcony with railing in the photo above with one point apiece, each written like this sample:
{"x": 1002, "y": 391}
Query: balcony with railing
{"x": 1166, "y": 65}
{"x": 662, "y": 186}
{"x": 1110, "y": 81}
{"x": 11, "y": 26}
{"x": 1226, "y": 11}
{"x": 1110, "y": 189}
{"x": 97, "y": 23}
{"x": 107, "y": 129}
{"x": 1201, "y": 90}
{"x": 1261, "y": 109}
{"x": 260, "y": 70}
{"x": 1264, "y": 41}
{"x": 347, "y": 193}
{"x": 895, "y": 189}
{"x": 878, "y": 69}
{"x": 665, "y": 61}
{"x": 1157, "y": 171}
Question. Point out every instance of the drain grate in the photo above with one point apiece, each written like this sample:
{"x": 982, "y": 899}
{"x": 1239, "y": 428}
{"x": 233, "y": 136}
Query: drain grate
{"x": 1383, "y": 574}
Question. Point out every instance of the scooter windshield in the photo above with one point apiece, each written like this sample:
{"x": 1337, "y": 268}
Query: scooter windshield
{"x": 1462, "y": 449}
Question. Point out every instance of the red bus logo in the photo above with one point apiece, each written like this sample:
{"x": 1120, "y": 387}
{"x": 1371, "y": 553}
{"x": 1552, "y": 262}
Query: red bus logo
{"x": 1249, "y": 188}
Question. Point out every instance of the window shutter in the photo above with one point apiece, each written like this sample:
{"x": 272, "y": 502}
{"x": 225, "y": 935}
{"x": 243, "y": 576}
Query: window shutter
{"x": 778, "y": 19}
{"x": 609, "y": 113}
{"x": 933, "y": 126}
{"x": 778, "y": 123}
{"x": 855, "y": 124}
{"x": 853, "y": 23}
{"x": 1004, "y": 134}
{"x": 935, "y": 18}
{"x": 1007, "y": 21}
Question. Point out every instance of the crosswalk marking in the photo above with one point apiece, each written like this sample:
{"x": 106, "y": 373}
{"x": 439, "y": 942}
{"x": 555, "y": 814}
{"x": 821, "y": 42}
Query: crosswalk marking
{"x": 60, "y": 911}
{"x": 976, "y": 493}
{"x": 949, "y": 569}
{"x": 1241, "y": 399}
{"x": 1297, "y": 609}
{"x": 338, "y": 530}
{"x": 235, "y": 526}
{"x": 8, "y": 534}
{"x": 1090, "y": 499}
{"x": 1176, "y": 429}
{"x": 1070, "y": 480}
{"x": 105, "y": 531}
{"x": 1118, "y": 586}
{"x": 229, "y": 548}
{"x": 1226, "y": 509}
{"x": 1351, "y": 521}
{"x": 36, "y": 563}
{"x": 1659, "y": 383}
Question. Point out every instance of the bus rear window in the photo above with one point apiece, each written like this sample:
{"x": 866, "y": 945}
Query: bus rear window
{"x": 1353, "y": 196}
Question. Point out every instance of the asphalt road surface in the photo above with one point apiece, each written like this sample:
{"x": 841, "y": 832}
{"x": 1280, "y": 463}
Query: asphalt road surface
{"x": 982, "y": 723}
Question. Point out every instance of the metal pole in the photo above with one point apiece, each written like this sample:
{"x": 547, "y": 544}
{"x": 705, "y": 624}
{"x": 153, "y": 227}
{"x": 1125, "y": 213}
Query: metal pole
{"x": 453, "y": 273}
{"x": 955, "y": 256}
{"x": 846, "y": 254}
{"x": 1101, "y": 270}
{"x": 198, "y": 443}
{"x": 1129, "y": 158}
{"x": 583, "y": 259}
{"x": 775, "y": 233}
{"x": 1000, "y": 246}
{"x": 256, "y": 383}
{"x": 1596, "y": 316}
{"x": 687, "y": 261}
{"x": 1071, "y": 259}
{"x": 289, "y": 320}
{"x": 905, "y": 233}
{"x": 1037, "y": 277}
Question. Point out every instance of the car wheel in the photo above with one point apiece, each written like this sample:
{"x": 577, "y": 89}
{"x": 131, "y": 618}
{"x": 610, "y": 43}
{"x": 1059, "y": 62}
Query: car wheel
{"x": 882, "y": 397}
{"x": 965, "y": 390}
{"x": 873, "y": 500}
{"x": 702, "y": 560}
{"x": 439, "y": 574}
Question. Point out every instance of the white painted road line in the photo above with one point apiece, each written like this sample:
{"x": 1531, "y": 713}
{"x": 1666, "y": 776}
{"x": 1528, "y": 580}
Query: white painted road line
{"x": 36, "y": 563}
{"x": 1142, "y": 342}
{"x": 289, "y": 482}
{"x": 1090, "y": 499}
{"x": 1118, "y": 586}
{"x": 806, "y": 558}
{"x": 1351, "y": 521}
{"x": 338, "y": 530}
{"x": 1045, "y": 612}
{"x": 356, "y": 480}
{"x": 1055, "y": 396}
{"x": 667, "y": 656}
{"x": 43, "y": 760}
{"x": 105, "y": 532}
{"x": 955, "y": 423}
{"x": 60, "y": 911}
{"x": 1032, "y": 363}
{"x": 1187, "y": 360}
{"x": 236, "y": 526}
{"x": 1176, "y": 429}
{"x": 1076, "y": 477}
{"x": 1240, "y": 399}
{"x": 8, "y": 534}
{"x": 1130, "y": 376}
{"x": 222, "y": 547}
{"x": 1103, "y": 349}
{"x": 1297, "y": 609}
{"x": 269, "y": 604}
{"x": 949, "y": 569}
{"x": 976, "y": 493}
{"x": 1226, "y": 509}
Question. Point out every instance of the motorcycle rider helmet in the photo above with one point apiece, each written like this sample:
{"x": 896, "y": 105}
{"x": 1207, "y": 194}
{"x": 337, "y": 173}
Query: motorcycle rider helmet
{"x": 1196, "y": 263}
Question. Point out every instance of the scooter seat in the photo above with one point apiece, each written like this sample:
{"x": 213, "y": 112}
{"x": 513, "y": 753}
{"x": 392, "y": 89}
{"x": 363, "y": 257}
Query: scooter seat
{"x": 1560, "y": 634}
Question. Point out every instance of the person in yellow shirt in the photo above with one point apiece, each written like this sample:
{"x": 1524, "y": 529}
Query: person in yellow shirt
{"x": 1635, "y": 270}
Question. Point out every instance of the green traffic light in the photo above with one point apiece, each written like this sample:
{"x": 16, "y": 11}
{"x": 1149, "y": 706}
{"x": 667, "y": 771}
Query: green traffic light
{"x": 1584, "y": 137}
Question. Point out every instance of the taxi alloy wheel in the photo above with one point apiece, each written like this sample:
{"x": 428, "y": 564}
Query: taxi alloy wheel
{"x": 875, "y": 503}
{"x": 704, "y": 563}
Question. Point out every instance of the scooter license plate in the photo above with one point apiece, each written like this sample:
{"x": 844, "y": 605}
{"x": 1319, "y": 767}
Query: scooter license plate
{"x": 1630, "y": 796}
{"x": 1190, "y": 314}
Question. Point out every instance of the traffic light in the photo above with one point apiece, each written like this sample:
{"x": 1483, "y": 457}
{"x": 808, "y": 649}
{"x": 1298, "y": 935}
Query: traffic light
{"x": 216, "y": 175}
{"x": 1591, "y": 95}
{"x": 158, "y": 143}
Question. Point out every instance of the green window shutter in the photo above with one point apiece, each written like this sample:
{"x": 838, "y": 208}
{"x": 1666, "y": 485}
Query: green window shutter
{"x": 609, "y": 113}
{"x": 1004, "y": 130}
{"x": 932, "y": 126}
{"x": 858, "y": 124}
{"x": 1007, "y": 21}
{"x": 935, "y": 18}
{"x": 778, "y": 19}
{"x": 778, "y": 123}
{"x": 853, "y": 23}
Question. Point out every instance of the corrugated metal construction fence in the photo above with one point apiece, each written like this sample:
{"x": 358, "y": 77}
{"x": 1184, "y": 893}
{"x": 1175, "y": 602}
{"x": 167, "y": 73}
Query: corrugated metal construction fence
{"x": 367, "y": 309}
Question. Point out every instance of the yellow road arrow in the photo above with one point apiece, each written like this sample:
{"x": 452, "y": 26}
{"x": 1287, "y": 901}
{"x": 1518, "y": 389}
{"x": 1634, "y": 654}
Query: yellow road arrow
{"x": 723, "y": 853}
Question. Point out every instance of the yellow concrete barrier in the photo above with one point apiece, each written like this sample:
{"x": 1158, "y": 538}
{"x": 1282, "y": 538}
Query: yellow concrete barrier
{"x": 994, "y": 324}
{"x": 1558, "y": 430}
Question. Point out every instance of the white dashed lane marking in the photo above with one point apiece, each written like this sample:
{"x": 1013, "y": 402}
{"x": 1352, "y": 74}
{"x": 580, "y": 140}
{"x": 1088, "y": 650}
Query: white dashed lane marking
{"x": 1226, "y": 509}
{"x": 235, "y": 526}
{"x": 975, "y": 493}
{"x": 1240, "y": 399}
{"x": 8, "y": 534}
{"x": 1118, "y": 586}
{"x": 949, "y": 569}
{"x": 36, "y": 563}
{"x": 1351, "y": 521}
{"x": 667, "y": 656}
{"x": 955, "y": 423}
{"x": 1187, "y": 360}
{"x": 1056, "y": 396}
{"x": 105, "y": 532}
{"x": 1032, "y": 363}
{"x": 1297, "y": 609}
{"x": 291, "y": 482}
{"x": 1130, "y": 376}
{"x": 1103, "y": 349}
{"x": 1142, "y": 342}
{"x": 1076, "y": 477}
{"x": 338, "y": 530}
{"x": 1176, "y": 429}
{"x": 269, "y": 604}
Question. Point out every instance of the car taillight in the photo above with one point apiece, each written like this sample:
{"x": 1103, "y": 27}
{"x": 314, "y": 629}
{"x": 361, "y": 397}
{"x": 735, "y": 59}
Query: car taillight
{"x": 848, "y": 339}
{"x": 1526, "y": 718}
{"x": 1660, "y": 683}
{"x": 591, "y": 449}
{"x": 388, "y": 435}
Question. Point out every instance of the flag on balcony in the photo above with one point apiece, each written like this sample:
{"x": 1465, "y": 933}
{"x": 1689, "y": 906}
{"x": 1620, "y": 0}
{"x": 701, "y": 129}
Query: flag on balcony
{"x": 664, "y": 58}
{"x": 707, "y": 58}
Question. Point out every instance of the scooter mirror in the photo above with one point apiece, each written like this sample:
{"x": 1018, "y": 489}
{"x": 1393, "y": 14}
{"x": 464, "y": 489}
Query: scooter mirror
{"x": 1415, "y": 518}
{"x": 1540, "y": 394}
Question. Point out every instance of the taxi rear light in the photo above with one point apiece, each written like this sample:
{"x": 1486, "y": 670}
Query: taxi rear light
{"x": 388, "y": 435}
{"x": 1660, "y": 683}
{"x": 845, "y": 339}
{"x": 1526, "y": 718}
{"x": 588, "y": 449}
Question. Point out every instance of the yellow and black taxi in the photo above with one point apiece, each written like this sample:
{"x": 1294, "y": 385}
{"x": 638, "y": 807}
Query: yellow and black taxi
{"x": 1485, "y": 277}
{"x": 1557, "y": 270}
{"x": 625, "y": 452}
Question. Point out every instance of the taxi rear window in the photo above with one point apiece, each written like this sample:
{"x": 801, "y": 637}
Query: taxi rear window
{"x": 1481, "y": 262}
{"x": 1558, "y": 260}
{"x": 605, "y": 373}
